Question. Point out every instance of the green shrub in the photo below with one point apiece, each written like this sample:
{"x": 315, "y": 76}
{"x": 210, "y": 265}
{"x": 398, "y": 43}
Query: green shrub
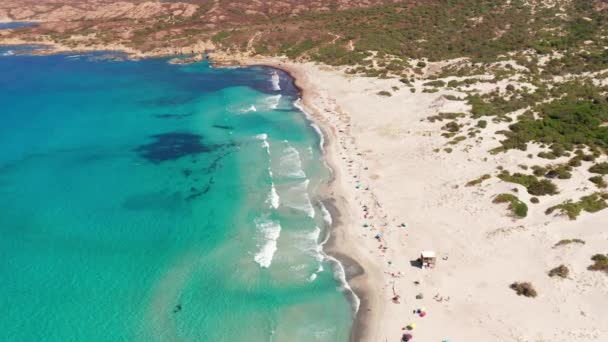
{"x": 547, "y": 155}
{"x": 559, "y": 171}
{"x": 575, "y": 161}
{"x": 591, "y": 204}
{"x": 218, "y": 37}
{"x": 598, "y": 181}
{"x": 601, "y": 168}
{"x": 478, "y": 180}
{"x": 384, "y": 93}
{"x": 451, "y": 126}
{"x": 421, "y": 64}
{"x": 437, "y": 83}
{"x": 542, "y": 187}
{"x": 531, "y": 183}
{"x": 600, "y": 263}
{"x": 517, "y": 207}
{"x": 534, "y": 200}
{"x": 482, "y": 123}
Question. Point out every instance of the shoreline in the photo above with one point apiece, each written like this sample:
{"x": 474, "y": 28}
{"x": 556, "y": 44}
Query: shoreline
{"x": 331, "y": 194}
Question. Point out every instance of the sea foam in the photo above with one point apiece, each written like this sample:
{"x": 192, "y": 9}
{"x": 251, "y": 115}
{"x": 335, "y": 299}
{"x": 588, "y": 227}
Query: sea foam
{"x": 274, "y": 199}
{"x": 326, "y": 215}
{"x": 265, "y": 143}
{"x": 273, "y": 101}
{"x": 299, "y": 199}
{"x": 275, "y": 80}
{"x": 298, "y": 104}
{"x": 291, "y": 164}
{"x": 249, "y": 110}
{"x": 271, "y": 230}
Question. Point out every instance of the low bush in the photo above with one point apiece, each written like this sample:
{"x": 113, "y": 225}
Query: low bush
{"x": 560, "y": 271}
{"x": 568, "y": 242}
{"x": 598, "y": 181}
{"x": 601, "y": 168}
{"x": 384, "y": 93}
{"x": 517, "y": 207}
{"x": 524, "y": 289}
{"x": 591, "y": 204}
{"x": 542, "y": 187}
{"x": 600, "y": 263}
{"x": 478, "y": 180}
{"x": 436, "y": 83}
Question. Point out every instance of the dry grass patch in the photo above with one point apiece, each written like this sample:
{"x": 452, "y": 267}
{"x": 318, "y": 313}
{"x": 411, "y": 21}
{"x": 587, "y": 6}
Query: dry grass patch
{"x": 568, "y": 242}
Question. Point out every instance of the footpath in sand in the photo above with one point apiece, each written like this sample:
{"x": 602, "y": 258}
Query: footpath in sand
{"x": 397, "y": 196}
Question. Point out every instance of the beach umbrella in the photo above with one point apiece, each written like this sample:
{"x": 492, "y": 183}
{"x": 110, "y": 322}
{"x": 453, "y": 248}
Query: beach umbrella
{"x": 406, "y": 337}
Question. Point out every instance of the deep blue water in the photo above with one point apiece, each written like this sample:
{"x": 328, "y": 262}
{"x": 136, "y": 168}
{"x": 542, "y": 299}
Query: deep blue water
{"x": 144, "y": 201}
{"x": 15, "y": 24}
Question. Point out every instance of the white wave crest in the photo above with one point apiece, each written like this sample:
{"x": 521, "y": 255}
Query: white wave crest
{"x": 298, "y": 198}
{"x": 250, "y": 109}
{"x": 271, "y": 231}
{"x": 326, "y": 214}
{"x": 291, "y": 164}
{"x": 341, "y": 275}
{"x": 265, "y": 143}
{"x": 8, "y": 53}
{"x": 275, "y": 200}
{"x": 273, "y": 101}
{"x": 298, "y": 104}
{"x": 276, "y": 81}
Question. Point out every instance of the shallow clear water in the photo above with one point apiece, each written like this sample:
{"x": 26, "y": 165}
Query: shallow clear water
{"x": 144, "y": 201}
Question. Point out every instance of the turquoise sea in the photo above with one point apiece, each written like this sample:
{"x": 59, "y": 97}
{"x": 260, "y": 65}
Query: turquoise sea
{"x": 143, "y": 201}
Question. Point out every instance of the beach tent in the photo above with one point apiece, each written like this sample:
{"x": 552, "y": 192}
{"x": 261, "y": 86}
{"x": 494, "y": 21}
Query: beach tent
{"x": 428, "y": 259}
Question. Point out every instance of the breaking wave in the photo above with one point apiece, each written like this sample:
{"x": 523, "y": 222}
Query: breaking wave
{"x": 291, "y": 164}
{"x": 273, "y": 101}
{"x": 249, "y": 110}
{"x": 326, "y": 215}
{"x": 298, "y": 198}
{"x": 271, "y": 231}
{"x": 265, "y": 144}
{"x": 274, "y": 198}
{"x": 298, "y": 104}
{"x": 275, "y": 80}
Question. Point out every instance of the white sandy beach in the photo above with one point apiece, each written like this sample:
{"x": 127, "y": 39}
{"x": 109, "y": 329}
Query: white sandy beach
{"x": 385, "y": 146}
